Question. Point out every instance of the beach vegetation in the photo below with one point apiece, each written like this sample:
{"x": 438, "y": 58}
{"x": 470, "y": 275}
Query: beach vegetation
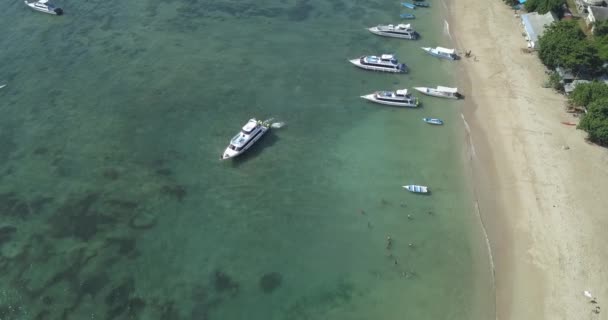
{"x": 544, "y": 6}
{"x": 595, "y": 121}
{"x": 565, "y": 45}
{"x": 586, "y": 93}
{"x": 600, "y": 28}
{"x": 555, "y": 81}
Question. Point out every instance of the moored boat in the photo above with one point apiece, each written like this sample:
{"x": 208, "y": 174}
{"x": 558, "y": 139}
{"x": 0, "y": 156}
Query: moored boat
{"x": 385, "y": 62}
{"x": 434, "y": 121}
{"x": 44, "y": 6}
{"x": 401, "y": 31}
{"x": 407, "y": 16}
{"x": 440, "y": 91}
{"x": 421, "y": 4}
{"x": 408, "y": 5}
{"x": 399, "y": 98}
{"x": 441, "y": 52}
{"x": 251, "y": 132}
{"x": 416, "y": 188}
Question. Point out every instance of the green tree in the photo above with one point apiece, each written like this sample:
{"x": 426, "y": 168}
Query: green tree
{"x": 586, "y": 93}
{"x": 601, "y": 45}
{"x": 595, "y": 122}
{"x": 544, "y": 6}
{"x": 564, "y": 44}
{"x": 600, "y": 28}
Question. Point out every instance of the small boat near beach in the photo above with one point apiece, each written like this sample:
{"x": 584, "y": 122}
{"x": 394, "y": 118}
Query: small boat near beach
{"x": 408, "y": 5}
{"x": 251, "y": 132}
{"x": 421, "y": 4}
{"x": 399, "y": 98}
{"x": 416, "y": 188}
{"x": 440, "y": 52}
{"x": 45, "y": 6}
{"x": 401, "y": 31}
{"x": 407, "y": 16}
{"x": 434, "y": 121}
{"x": 385, "y": 62}
{"x": 440, "y": 91}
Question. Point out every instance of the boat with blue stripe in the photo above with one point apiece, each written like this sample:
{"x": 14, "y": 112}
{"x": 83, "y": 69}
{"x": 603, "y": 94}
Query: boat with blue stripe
{"x": 408, "y": 5}
{"x": 407, "y": 16}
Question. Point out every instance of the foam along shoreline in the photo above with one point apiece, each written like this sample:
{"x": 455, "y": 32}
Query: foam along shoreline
{"x": 540, "y": 202}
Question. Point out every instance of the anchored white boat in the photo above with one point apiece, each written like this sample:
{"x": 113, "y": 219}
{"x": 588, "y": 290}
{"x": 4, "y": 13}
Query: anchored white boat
{"x": 399, "y": 98}
{"x": 441, "y": 92}
{"x": 416, "y": 188}
{"x": 401, "y": 31}
{"x": 385, "y": 62}
{"x": 250, "y": 133}
{"x": 44, "y": 6}
{"x": 434, "y": 121}
{"x": 441, "y": 52}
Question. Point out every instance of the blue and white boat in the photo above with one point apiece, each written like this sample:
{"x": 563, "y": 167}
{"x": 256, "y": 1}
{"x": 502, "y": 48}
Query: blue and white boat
{"x": 385, "y": 62}
{"x": 407, "y": 16}
{"x": 434, "y": 121}
{"x": 440, "y": 52}
{"x": 401, "y": 31}
{"x": 416, "y": 188}
{"x": 421, "y": 4}
{"x": 251, "y": 132}
{"x": 408, "y": 5}
{"x": 399, "y": 98}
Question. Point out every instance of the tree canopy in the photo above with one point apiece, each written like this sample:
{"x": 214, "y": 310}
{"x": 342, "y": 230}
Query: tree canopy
{"x": 564, "y": 44}
{"x": 595, "y": 122}
{"x": 544, "y": 6}
{"x": 586, "y": 93}
{"x": 600, "y": 28}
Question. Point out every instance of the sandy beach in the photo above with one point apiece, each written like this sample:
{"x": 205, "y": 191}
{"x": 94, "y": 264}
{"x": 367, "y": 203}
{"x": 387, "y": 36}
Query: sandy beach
{"x": 537, "y": 181}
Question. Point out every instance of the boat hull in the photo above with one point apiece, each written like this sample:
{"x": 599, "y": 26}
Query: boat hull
{"x": 229, "y": 153}
{"x": 376, "y": 31}
{"x": 357, "y": 62}
{"x": 372, "y": 98}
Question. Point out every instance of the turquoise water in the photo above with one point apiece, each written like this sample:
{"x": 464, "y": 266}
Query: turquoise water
{"x": 114, "y": 204}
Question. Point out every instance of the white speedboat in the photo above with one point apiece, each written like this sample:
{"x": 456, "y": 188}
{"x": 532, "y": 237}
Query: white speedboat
{"x": 416, "y": 188}
{"x": 399, "y": 98}
{"x": 434, "y": 121}
{"x": 250, "y": 133}
{"x": 385, "y": 62}
{"x": 441, "y": 92}
{"x": 44, "y": 6}
{"x": 401, "y": 31}
{"x": 440, "y": 52}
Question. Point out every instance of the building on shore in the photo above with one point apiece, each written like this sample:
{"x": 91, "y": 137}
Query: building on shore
{"x": 534, "y": 26}
{"x": 596, "y": 14}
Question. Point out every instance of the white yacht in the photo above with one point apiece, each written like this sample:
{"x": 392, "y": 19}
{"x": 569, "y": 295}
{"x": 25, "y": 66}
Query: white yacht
{"x": 399, "y": 98}
{"x": 441, "y": 92}
{"x": 441, "y": 52}
{"x": 250, "y": 133}
{"x": 401, "y": 31}
{"x": 44, "y": 6}
{"x": 385, "y": 62}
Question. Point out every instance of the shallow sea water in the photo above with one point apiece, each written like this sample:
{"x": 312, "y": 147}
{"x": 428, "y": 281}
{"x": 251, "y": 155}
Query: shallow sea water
{"x": 114, "y": 205}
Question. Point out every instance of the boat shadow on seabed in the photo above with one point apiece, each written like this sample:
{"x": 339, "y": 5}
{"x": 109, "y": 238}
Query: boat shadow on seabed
{"x": 268, "y": 140}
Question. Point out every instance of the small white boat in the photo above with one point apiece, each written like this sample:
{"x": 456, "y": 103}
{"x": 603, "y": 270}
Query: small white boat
{"x": 416, "y": 188}
{"x": 44, "y": 6}
{"x": 401, "y": 31}
{"x": 250, "y": 133}
{"x": 434, "y": 121}
{"x": 2, "y": 86}
{"x": 441, "y": 92}
{"x": 385, "y": 62}
{"x": 399, "y": 98}
{"x": 440, "y": 52}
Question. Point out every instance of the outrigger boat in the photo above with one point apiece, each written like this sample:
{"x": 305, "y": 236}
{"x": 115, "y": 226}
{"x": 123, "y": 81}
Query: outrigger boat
{"x": 434, "y": 121}
{"x": 416, "y": 188}
{"x": 407, "y": 16}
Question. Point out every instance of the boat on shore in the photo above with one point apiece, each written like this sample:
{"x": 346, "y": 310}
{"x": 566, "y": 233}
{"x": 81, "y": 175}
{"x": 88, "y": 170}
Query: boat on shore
{"x": 434, "y": 121}
{"x": 408, "y": 5}
{"x": 440, "y": 52}
{"x": 44, "y": 6}
{"x": 407, "y": 16}
{"x": 401, "y": 31}
{"x": 440, "y": 91}
{"x": 251, "y": 132}
{"x": 416, "y": 188}
{"x": 385, "y": 63}
{"x": 399, "y": 98}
